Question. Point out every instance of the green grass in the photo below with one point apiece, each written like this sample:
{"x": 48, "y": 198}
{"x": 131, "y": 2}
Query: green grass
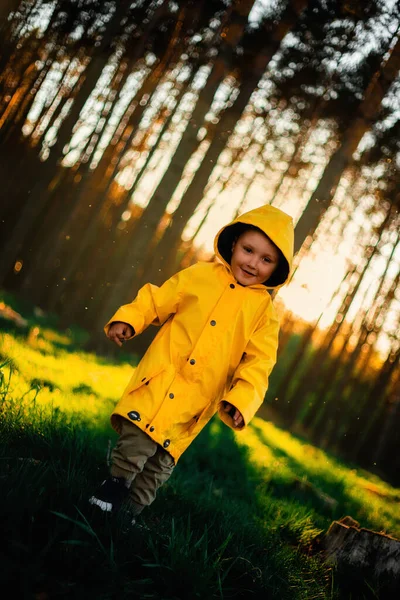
{"x": 241, "y": 517}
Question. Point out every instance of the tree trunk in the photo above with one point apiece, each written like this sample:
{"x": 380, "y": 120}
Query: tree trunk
{"x": 295, "y": 401}
{"x": 63, "y": 220}
{"x": 366, "y": 442}
{"x": 91, "y": 203}
{"x": 316, "y": 410}
{"x": 45, "y": 48}
{"x": 6, "y": 8}
{"x": 38, "y": 198}
{"x": 166, "y": 124}
{"x": 16, "y": 78}
{"x": 167, "y": 262}
{"x": 338, "y": 370}
{"x": 354, "y": 416}
{"x": 311, "y": 116}
{"x": 66, "y": 88}
{"x": 366, "y": 113}
{"x": 87, "y": 256}
{"x": 167, "y": 248}
{"x": 156, "y": 207}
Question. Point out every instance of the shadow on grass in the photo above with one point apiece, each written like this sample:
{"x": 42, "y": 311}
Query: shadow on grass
{"x": 217, "y": 483}
{"x": 353, "y": 583}
{"x": 327, "y": 482}
{"x": 207, "y": 534}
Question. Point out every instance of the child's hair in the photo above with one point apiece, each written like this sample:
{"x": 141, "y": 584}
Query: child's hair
{"x": 231, "y": 233}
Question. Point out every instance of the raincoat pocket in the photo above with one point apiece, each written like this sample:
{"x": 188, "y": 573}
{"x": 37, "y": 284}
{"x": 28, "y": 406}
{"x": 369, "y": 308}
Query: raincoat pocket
{"x": 204, "y": 413}
{"x": 138, "y": 382}
{"x": 143, "y": 397}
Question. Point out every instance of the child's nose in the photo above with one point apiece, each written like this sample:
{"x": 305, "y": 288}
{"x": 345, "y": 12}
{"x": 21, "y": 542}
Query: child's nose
{"x": 251, "y": 268}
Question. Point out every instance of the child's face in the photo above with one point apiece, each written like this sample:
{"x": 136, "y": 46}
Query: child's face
{"x": 254, "y": 258}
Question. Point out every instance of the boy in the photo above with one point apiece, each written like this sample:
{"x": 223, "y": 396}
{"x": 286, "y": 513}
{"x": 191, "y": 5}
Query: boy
{"x": 214, "y": 352}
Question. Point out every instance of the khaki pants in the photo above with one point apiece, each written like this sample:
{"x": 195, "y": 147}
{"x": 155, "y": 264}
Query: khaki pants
{"x": 143, "y": 463}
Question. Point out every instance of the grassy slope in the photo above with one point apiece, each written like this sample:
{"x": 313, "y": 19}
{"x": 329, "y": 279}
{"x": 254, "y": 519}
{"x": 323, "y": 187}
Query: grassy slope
{"x": 237, "y": 518}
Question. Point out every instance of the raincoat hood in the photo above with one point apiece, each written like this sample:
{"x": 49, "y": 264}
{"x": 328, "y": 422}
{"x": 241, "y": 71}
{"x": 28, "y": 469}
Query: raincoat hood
{"x": 276, "y": 225}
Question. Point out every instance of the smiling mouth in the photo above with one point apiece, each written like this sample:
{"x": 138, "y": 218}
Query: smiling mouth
{"x": 247, "y": 273}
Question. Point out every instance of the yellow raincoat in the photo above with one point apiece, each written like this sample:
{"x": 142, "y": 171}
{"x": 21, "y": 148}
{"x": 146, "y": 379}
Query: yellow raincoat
{"x": 218, "y": 341}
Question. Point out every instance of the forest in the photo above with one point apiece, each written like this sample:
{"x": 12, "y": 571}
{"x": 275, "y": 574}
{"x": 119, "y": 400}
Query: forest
{"x": 131, "y": 131}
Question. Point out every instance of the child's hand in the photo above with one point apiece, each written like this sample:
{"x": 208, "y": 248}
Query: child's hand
{"x": 236, "y": 415}
{"x": 119, "y": 332}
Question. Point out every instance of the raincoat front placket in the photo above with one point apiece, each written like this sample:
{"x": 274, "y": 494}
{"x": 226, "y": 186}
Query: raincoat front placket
{"x": 198, "y": 372}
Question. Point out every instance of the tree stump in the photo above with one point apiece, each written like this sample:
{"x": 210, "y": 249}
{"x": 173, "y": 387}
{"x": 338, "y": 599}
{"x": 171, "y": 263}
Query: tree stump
{"x": 362, "y": 554}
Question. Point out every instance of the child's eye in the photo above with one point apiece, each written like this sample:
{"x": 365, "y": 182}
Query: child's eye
{"x": 246, "y": 249}
{"x": 267, "y": 260}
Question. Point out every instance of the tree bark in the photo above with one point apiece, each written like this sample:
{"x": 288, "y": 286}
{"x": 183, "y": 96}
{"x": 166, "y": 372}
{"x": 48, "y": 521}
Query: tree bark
{"x": 155, "y": 209}
{"x": 6, "y": 8}
{"x": 167, "y": 248}
{"x": 87, "y": 254}
{"x": 366, "y": 114}
{"x": 168, "y": 258}
{"x": 64, "y": 218}
{"x": 38, "y": 198}
{"x": 374, "y": 403}
{"x": 84, "y": 219}
{"x": 295, "y": 401}
{"x": 319, "y": 364}
{"x": 363, "y": 553}
{"x": 347, "y": 413}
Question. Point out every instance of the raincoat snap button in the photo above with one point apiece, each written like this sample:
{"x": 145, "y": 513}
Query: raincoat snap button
{"x": 232, "y": 285}
{"x": 144, "y": 379}
{"x": 171, "y": 396}
{"x": 166, "y": 443}
{"x": 134, "y": 415}
{"x": 213, "y": 322}
{"x": 147, "y": 383}
{"x": 151, "y": 428}
{"x": 192, "y": 361}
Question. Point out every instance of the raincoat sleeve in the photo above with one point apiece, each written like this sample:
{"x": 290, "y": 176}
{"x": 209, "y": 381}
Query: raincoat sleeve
{"x": 250, "y": 380}
{"x": 152, "y": 305}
